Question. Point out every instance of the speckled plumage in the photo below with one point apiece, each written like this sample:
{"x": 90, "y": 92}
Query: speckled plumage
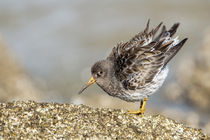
{"x": 136, "y": 69}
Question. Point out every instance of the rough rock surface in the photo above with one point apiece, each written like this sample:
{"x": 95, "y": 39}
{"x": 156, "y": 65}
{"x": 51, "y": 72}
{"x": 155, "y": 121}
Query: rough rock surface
{"x": 193, "y": 76}
{"x": 33, "y": 120}
{"x": 15, "y": 84}
{"x": 192, "y": 85}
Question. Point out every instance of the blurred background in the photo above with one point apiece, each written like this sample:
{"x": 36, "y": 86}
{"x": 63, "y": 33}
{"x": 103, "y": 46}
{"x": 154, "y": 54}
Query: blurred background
{"x": 47, "y": 49}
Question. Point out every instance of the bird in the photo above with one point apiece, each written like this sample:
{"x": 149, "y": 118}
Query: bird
{"x": 136, "y": 69}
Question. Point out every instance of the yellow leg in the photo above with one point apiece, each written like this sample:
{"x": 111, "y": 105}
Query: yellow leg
{"x": 141, "y": 109}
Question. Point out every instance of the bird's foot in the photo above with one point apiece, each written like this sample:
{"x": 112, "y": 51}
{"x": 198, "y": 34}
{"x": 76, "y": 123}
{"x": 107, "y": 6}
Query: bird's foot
{"x": 138, "y": 112}
{"x": 141, "y": 109}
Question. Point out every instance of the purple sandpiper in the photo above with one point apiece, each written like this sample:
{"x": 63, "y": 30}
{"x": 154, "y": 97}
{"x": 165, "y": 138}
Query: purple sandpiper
{"x": 136, "y": 69}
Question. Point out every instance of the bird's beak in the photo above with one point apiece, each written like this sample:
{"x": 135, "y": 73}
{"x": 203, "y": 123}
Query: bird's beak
{"x": 90, "y": 82}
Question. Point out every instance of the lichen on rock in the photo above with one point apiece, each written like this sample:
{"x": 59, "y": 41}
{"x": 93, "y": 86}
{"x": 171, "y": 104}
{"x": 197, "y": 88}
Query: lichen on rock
{"x": 31, "y": 120}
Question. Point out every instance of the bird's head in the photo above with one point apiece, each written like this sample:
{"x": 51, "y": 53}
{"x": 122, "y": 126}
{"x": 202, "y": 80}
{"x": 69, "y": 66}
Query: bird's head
{"x": 100, "y": 72}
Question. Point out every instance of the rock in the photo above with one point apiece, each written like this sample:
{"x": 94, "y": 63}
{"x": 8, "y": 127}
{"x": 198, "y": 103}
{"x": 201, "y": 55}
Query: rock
{"x": 31, "y": 120}
{"x": 15, "y": 84}
{"x": 193, "y": 84}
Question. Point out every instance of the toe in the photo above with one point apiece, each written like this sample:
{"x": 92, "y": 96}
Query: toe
{"x": 140, "y": 111}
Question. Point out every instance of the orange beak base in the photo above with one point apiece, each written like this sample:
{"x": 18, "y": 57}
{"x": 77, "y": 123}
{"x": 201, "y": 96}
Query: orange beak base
{"x": 90, "y": 82}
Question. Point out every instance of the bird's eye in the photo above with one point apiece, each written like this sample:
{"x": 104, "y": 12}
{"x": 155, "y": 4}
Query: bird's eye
{"x": 99, "y": 74}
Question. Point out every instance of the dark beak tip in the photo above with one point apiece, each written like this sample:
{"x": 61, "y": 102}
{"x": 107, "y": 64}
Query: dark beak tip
{"x": 82, "y": 89}
{"x": 79, "y": 92}
{"x": 86, "y": 86}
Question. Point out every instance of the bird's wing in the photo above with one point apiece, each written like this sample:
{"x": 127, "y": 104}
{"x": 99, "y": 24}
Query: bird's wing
{"x": 139, "y": 60}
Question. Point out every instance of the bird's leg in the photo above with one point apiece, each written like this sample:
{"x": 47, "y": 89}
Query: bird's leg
{"x": 141, "y": 103}
{"x": 141, "y": 109}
